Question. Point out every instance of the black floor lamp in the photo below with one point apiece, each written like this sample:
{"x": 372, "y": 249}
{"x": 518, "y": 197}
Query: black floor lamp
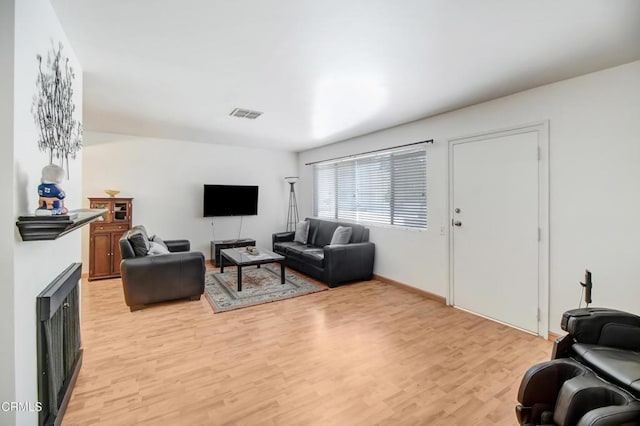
{"x": 292, "y": 214}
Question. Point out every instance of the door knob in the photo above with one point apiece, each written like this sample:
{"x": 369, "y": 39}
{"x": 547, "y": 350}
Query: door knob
{"x": 457, "y": 223}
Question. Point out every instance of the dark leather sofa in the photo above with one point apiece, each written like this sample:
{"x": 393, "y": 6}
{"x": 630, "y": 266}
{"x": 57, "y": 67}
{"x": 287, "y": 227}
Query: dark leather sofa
{"x": 593, "y": 377}
{"x": 332, "y": 264}
{"x": 150, "y": 279}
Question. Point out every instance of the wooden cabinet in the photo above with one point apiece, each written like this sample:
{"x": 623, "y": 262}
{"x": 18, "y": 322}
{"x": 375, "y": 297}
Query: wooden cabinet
{"x": 104, "y": 246}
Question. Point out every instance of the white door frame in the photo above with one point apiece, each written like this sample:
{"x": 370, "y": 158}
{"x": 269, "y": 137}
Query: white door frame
{"x": 542, "y": 129}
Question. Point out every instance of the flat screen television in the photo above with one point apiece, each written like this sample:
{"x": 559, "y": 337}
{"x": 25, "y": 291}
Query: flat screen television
{"x": 230, "y": 200}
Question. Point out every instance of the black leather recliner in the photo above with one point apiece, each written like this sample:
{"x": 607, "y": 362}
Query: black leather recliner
{"x": 150, "y": 279}
{"x": 593, "y": 377}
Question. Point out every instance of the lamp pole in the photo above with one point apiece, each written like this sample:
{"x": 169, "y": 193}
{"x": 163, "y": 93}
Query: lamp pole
{"x": 292, "y": 214}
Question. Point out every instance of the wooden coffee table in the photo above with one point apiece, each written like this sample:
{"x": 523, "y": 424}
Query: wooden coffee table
{"x": 240, "y": 257}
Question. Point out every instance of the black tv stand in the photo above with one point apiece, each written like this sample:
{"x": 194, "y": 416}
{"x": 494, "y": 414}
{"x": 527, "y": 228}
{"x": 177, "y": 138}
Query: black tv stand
{"x": 216, "y": 246}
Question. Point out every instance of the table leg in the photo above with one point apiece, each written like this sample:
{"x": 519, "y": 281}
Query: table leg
{"x": 221, "y": 266}
{"x": 282, "y": 273}
{"x": 239, "y": 278}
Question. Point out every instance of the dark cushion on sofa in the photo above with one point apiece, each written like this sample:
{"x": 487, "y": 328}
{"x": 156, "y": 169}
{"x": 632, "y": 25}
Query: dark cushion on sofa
{"x": 139, "y": 241}
{"x": 311, "y": 254}
{"x": 324, "y": 233}
{"x": 314, "y": 256}
{"x": 284, "y": 245}
{"x": 359, "y": 234}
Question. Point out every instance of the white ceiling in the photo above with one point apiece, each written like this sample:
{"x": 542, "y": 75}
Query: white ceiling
{"x": 324, "y": 71}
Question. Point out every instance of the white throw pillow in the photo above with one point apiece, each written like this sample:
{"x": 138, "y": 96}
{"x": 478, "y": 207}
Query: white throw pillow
{"x": 341, "y": 235}
{"x": 158, "y": 240}
{"x": 157, "y": 248}
{"x": 302, "y": 232}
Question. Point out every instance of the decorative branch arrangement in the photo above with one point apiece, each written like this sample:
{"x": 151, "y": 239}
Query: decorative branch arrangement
{"x": 53, "y": 108}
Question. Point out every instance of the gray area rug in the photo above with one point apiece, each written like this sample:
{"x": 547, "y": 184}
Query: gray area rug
{"x": 259, "y": 285}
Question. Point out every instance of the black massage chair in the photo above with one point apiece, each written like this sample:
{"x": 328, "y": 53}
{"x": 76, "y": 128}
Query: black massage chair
{"x": 593, "y": 377}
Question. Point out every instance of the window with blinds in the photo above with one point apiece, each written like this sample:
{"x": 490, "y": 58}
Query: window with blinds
{"x": 388, "y": 187}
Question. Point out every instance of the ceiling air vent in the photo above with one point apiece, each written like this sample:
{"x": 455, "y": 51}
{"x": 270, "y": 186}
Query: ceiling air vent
{"x": 245, "y": 113}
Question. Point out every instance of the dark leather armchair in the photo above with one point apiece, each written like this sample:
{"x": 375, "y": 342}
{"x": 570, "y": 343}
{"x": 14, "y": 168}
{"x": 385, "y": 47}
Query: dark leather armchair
{"x": 150, "y": 279}
{"x": 593, "y": 377}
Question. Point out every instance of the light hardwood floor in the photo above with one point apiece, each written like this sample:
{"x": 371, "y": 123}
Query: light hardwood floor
{"x": 361, "y": 354}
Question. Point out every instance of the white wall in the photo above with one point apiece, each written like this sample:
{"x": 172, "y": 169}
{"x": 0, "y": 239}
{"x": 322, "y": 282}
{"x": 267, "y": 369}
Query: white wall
{"x": 594, "y": 174}
{"x": 7, "y": 219}
{"x": 36, "y": 264}
{"x": 166, "y": 179}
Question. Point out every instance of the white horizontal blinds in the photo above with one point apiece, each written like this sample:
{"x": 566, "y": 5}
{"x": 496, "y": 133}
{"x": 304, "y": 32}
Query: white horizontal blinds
{"x": 374, "y": 189}
{"x": 387, "y": 187}
{"x": 409, "y": 191}
{"x": 346, "y": 195}
{"x": 324, "y": 200}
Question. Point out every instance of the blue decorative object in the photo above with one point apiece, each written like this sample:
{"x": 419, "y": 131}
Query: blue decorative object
{"x": 51, "y": 201}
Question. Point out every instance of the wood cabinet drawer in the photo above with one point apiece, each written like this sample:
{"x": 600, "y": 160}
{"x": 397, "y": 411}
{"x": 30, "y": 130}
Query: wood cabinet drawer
{"x": 109, "y": 227}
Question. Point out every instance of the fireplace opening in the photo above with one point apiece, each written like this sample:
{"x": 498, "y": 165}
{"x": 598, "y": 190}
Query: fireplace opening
{"x": 59, "y": 345}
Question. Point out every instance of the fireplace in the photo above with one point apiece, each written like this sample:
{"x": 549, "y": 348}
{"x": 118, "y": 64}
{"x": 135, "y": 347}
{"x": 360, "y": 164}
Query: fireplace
{"x": 59, "y": 348}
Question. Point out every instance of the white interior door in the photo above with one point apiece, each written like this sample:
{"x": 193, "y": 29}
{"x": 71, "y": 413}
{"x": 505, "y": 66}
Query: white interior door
{"x": 495, "y": 227}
